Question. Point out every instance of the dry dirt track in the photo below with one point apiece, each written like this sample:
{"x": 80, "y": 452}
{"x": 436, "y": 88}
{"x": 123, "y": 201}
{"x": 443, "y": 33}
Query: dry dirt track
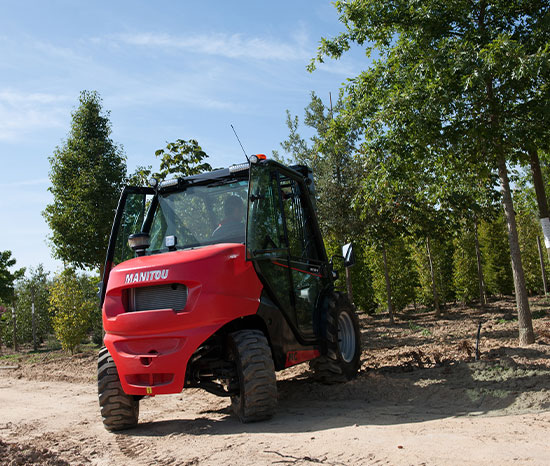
{"x": 420, "y": 399}
{"x": 195, "y": 428}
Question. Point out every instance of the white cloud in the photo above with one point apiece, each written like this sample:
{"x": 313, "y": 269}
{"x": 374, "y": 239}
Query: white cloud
{"x": 189, "y": 93}
{"x": 224, "y": 45}
{"x": 23, "y": 113}
{"x": 57, "y": 53}
{"x": 18, "y": 98}
{"x": 22, "y": 183}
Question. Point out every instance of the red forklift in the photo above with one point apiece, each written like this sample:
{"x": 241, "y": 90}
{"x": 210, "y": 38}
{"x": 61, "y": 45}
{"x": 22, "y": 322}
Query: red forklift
{"x": 217, "y": 281}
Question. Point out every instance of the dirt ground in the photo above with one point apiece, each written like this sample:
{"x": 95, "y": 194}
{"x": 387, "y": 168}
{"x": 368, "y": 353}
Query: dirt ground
{"x": 420, "y": 399}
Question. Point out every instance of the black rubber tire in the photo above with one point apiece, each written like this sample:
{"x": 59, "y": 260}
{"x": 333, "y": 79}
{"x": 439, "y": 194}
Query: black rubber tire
{"x": 257, "y": 399}
{"x": 333, "y": 367}
{"x": 118, "y": 410}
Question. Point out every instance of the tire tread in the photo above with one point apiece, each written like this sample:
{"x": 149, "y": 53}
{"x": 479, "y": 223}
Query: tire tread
{"x": 258, "y": 398}
{"x": 118, "y": 410}
{"x": 330, "y": 368}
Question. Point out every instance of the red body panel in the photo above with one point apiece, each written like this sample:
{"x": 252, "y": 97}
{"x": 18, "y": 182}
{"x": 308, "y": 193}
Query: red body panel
{"x": 151, "y": 348}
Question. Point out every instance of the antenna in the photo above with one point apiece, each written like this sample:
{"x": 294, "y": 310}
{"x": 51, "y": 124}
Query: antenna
{"x": 247, "y": 159}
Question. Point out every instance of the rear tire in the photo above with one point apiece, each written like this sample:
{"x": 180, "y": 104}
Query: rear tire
{"x": 257, "y": 399}
{"x": 118, "y": 410}
{"x": 342, "y": 360}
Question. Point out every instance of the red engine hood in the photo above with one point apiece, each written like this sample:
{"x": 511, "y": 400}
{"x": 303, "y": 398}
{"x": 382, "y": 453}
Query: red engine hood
{"x": 219, "y": 269}
{"x": 155, "y": 269}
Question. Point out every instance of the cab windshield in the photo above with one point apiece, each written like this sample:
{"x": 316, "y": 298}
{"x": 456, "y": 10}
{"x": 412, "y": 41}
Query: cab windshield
{"x": 200, "y": 215}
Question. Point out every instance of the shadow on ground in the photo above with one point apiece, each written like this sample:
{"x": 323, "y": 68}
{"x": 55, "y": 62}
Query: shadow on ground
{"x": 386, "y": 396}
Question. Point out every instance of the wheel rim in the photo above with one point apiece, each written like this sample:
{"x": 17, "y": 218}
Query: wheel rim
{"x": 346, "y": 337}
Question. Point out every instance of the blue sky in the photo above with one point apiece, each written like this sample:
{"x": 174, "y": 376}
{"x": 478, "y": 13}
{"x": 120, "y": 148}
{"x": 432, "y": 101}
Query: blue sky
{"x": 165, "y": 70}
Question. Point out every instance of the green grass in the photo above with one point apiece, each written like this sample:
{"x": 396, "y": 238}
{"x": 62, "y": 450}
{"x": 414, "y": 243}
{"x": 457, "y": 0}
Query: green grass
{"x": 417, "y": 328}
{"x": 507, "y": 321}
{"x": 50, "y": 350}
{"x": 9, "y": 357}
{"x": 52, "y": 344}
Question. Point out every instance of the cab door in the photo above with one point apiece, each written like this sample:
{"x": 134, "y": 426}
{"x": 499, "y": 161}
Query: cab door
{"x": 283, "y": 239}
{"x": 129, "y": 218}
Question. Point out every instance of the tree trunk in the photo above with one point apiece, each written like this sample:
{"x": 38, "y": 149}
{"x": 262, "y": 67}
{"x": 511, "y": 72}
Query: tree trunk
{"x": 388, "y": 284}
{"x": 432, "y": 273}
{"x": 15, "y": 347}
{"x": 542, "y": 268}
{"x": 482, "y": 293}
{"x": 34, "y": 342}
{"x": 542, "y": 203}
{"x": 526, "y": 335}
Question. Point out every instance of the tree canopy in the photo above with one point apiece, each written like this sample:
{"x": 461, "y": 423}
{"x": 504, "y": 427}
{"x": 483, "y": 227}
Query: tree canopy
{"x": 456, "y": 88}
{"x": 8, "y": 278}
{"x": 181, "y": 158}
{"x": 87, "y": 174}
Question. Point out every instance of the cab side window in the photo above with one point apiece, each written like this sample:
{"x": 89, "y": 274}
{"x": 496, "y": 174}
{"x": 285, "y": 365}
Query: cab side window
{"x": 265, "y": 225}
{"x": 131, "y": 222}
{"x": 300, "y": 234}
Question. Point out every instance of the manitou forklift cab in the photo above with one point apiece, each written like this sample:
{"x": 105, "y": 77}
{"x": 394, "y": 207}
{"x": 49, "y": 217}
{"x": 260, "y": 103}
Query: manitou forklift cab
{"x": 216, "y": 281}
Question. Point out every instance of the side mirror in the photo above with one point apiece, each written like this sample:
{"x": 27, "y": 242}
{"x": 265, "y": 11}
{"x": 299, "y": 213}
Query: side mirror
{"x": 349, "y": 256}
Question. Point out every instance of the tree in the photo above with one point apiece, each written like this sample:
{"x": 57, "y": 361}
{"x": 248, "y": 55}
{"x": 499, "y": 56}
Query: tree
{"x": 362, "y": 276}
{"x": 7, "y": 289}
{"x": 87, "y": 174}
{"x": 336, "y": 178}
{"x": 452, "y": 74}
{"x": 496, "y": 259}
{"x": 401, "y": 270}
{"x": 441, "y": 249}
{"x": 7, "y": 278}
{"x": 334, "y": 169}
{"x": 180, "y": 158}
{"x": 529, "y": 230}
{"x": 36, "y": 283}
{"x": 465, "y": 278}
{"x": 72, "y": 308}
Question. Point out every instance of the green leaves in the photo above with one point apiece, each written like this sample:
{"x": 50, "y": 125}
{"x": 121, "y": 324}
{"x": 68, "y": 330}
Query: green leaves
{"x": 7, "y": 278}
{"x": 87, "y": 174}
{"x": 72, "y": 307}
{"x": 179, "y": 158}
{"x": 460, "y": 88}
{"x": 182, "y": 157}
{"x": 335, "y": 171}
{"x": 455, "y": 84}
{"x": 36, "y": 282}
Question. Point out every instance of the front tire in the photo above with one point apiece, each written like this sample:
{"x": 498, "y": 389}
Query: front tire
{"x": 118, "y": 410}
{"x": 343, "y": 358}
{"x": 257, "y": 398}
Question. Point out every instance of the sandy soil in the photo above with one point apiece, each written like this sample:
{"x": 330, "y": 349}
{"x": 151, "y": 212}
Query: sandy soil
{"x": 420, "y": 399}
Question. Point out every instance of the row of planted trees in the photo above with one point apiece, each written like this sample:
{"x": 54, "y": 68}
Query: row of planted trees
{"x": 455, "y": 96}
{"x": 422, "y": 236}
{"x": 37, "y": 306}
{"x": 455, "y": 265}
